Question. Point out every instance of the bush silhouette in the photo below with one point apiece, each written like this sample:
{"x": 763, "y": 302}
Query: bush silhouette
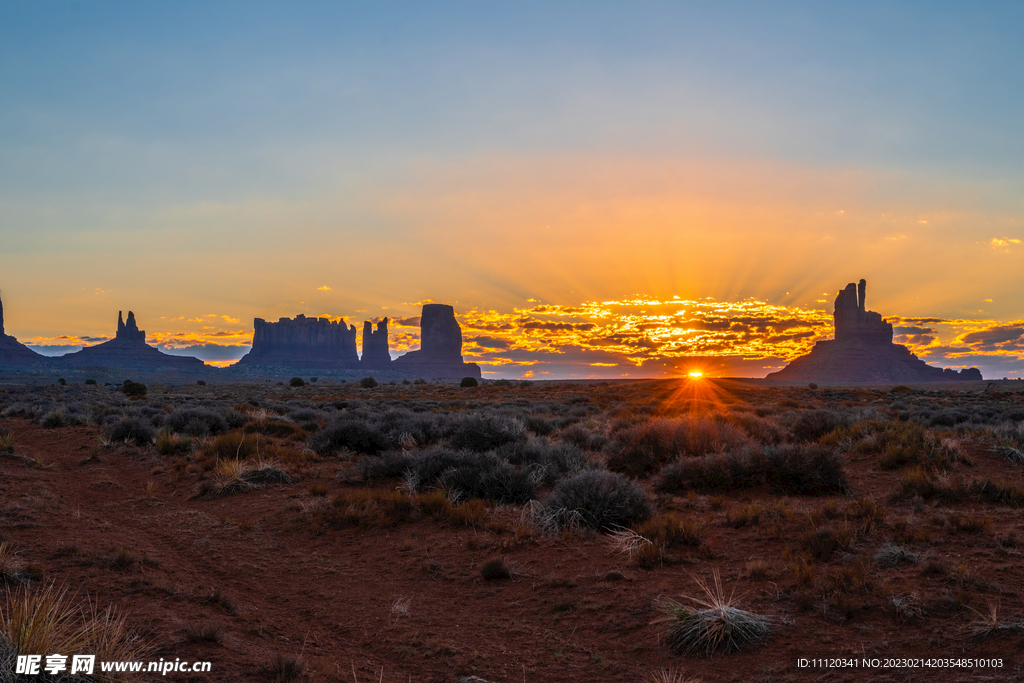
{"x": 468, "y": 382}
{"x": 133, "y": 389}
{"x": 605, "y": 500}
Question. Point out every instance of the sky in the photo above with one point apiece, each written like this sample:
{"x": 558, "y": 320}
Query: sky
{"x": 599, "y": 189}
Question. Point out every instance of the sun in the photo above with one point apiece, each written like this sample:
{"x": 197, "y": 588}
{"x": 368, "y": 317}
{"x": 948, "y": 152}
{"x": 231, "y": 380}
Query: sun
{"x": 696, "y": 374}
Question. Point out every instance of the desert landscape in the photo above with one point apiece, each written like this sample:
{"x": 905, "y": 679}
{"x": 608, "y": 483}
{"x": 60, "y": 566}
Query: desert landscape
{"x": 678, "y": 530}
{"x": 533, "y": 342}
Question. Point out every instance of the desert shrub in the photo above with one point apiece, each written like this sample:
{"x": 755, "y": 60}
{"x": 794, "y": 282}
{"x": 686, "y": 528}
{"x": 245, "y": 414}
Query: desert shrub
{"x": 90, "y": 382}
{"x": 708, "y": 432}
{"x": 811, "y": 425}
{"x": 717, "y": 473}
{"x": 541, "y": 426}
{"x": 196, "y": 422}
{"x": 468, "y": 382}
{"x": 6, "y": 441}
{"x": 486, "y": 432}
{"x": 807, "y": 470}
{"x": 642, "y": 450}
{"x": 305, "y": 415}
{"x": 550, "y": 461}
{"x": 352, "y": 434}
{"x": 130, "y": 430}
{"x": 582, "y": 437}
{"x": 133, "y": 389}
{"x": 604, "y": 500}
{"x": 764, "y": 431}
{"x": 471, "y": 475}
{"x": 495, "y": 570}
{"x": 368, "y": 383}
{"x": 296, "y": 382}
{"x": 507, "y": 485}
{"x": 58, "y": 417}
{"x": 390, "y": 465}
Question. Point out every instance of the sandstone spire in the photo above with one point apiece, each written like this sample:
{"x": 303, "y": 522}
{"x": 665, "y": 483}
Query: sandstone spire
{"x": 375, "y": 345}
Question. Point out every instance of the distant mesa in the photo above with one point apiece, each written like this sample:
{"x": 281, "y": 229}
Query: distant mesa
{"x": 14, "y": 353}
{"x": 862, "y": 351}
{"x": 440, "y": 353}
{"x": 128, "y": 350}
{"x": 303, "y": 343}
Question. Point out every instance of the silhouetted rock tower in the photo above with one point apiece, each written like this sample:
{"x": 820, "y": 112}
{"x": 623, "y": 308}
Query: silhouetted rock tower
{"x": 375, "y": 346}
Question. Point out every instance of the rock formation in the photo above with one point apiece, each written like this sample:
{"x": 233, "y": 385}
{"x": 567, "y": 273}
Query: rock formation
{"x": 304, "y": 343}
{"x": 375, "y": 346}
{"x": 13, "y": 352}
{"x": 440, "y": 352}
{"x": 130, "y": 331}
{"x": 862, "y": 351}
{"x": 128, "y": 350}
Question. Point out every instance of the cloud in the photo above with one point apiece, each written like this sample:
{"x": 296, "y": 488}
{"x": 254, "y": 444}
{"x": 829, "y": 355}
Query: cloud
{"x": 209, "y": 352}
{"x": 490, "y": 342}
{"x": 1004, "y": 244}
{"x": 325, "y": 288}
{"x": 993, "y": 337}
{"x": 912, "y": 330}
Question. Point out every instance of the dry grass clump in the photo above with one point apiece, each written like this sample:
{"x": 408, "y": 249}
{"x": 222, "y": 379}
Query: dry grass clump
{"x": 672, "y": 531}
{"x": 235, "y": 476}
{"x": 716, "y": 625}
{"x": 821, "y": 542}
{"x": 757, "y": 569}
{"x": 51, "y": 620}
{"x": 670, "y": 676}
{"x": 169, "y": 443}
{"x": 207, "y": 634}
{"x": 6, "y": 441}
{"x": 282, "y": 669}
{"x": 989, "y": 624}
{"x": 892, "y": 555}
{"x": 10, "y": 565}
{"x": 920, "y": 482}
{"x": 907, "y": 607}
{"x": 376, "y": 508}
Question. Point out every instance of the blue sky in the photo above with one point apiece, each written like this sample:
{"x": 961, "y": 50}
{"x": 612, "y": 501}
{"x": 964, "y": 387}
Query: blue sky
{"x": 231, "y": 159}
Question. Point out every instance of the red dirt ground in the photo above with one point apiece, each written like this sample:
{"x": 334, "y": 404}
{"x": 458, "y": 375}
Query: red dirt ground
{"x": 330, "y": 599}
